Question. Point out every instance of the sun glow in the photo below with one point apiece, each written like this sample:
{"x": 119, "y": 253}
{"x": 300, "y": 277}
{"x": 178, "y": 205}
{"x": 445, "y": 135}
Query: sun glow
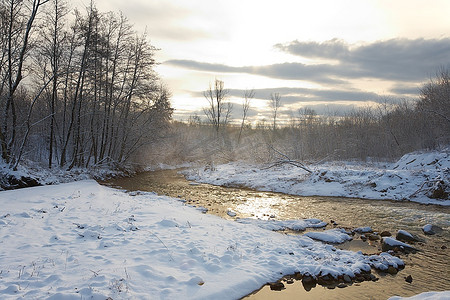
{"x": 241, "y": 35}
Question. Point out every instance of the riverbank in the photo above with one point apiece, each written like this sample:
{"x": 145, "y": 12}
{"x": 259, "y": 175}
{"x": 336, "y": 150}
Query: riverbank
{"x": 422, "y": 177}
{"x": 30, "y": 175}
{"x": 84, "y": 240}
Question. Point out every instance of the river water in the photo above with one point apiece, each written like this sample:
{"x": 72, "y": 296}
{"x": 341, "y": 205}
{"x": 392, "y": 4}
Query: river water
{"x": 429, "y": 268}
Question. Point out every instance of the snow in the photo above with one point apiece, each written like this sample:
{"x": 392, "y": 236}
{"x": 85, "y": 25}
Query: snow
{"x": 411, "y": 178}
{"x": 444, "y": 295}
{"x": 45, "y": 176}
{"x": 395, "y": 243}
{"x": 363, "y": 229}
{"x": 334, "y": 236}
{"x": 82, "y": 240}
{"x": 277, "y": 225}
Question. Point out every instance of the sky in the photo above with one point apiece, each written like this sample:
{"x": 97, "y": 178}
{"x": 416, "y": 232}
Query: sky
{"x": 327, "y": 55}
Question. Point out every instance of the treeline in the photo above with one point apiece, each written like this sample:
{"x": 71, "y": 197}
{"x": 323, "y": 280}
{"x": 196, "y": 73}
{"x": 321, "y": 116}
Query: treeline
{"x": 385, "y": 131}
{"x": 77, "y": 88}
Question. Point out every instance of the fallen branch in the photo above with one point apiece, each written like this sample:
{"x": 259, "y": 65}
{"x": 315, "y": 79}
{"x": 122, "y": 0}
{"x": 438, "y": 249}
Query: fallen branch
{"x": 286, "y": 160}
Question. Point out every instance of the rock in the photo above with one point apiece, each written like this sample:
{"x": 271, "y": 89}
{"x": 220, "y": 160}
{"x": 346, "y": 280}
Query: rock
{"x": 405, "y": 236}
{"x": 385, "y": 233}
{"x": 443, "y": 247}
{"x": 431, "y": 229}
{"x": 308, "y": 279}
{"x": 308, "y": 282}
{"x": 276, "y": 286}
{"x": 367, "y": 277}
{"x": 341, "y": 285}
{"x": 363, "y": 229}
{"x": 11, "y": 182}
{"x": 408, "y": 279}
{"x": 347, "y": 278}
{"x": 439, "y": 190}
{"x": 373, "y": 237}
{"x": 389, "y": 243}
{"x": 231, "y": 213}
{"x": 391, "y": 270}
{"x": 298, "y": 276}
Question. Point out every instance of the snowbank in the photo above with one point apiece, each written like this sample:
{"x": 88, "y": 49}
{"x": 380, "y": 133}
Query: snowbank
{"x": 85, "y": 241}
{"x": 31, "y": 174}
{"x": 419, "y": 177}
{"x": 444, "y": 295}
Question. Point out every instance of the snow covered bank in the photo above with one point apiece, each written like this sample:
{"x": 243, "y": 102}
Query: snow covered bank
{"x": 83, "y": 240}
{"x": 444, "y": 295}
{"x": 419, "y": 177}
{"x": 33, "y": 175}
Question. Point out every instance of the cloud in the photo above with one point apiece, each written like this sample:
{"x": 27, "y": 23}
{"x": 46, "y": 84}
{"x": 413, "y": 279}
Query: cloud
{"x": 291, "y": 95}
{"x": 402, "y": 60}
{"x": 289, "y": 71}
{"x": 393, "y": 59}
{"x": 401, "y": 89}
{"x": 331, "y": 49}
{"x": 294, "y": 95}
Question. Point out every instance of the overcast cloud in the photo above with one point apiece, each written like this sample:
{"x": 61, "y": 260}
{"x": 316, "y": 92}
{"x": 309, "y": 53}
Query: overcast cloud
{"x": 396, "y": 59}
{"x": 324, "y": 53}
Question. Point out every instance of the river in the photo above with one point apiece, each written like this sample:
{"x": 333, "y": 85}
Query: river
{"x": 429, "y": 268}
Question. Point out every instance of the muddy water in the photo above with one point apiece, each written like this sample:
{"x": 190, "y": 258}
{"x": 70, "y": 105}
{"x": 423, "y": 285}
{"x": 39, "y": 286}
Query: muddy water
{"x": 430, "y": 268}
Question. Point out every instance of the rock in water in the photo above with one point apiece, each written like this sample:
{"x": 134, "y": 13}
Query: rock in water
{"x": 408, "y": 279}
{"x": 405, "y": 236}
{"x": 389, "y": 243}
{"x": 231, "y": 213}
{"x": 391, "y": 270}
{"x": 431, "y": 229}
{"x": 276, "y": 286}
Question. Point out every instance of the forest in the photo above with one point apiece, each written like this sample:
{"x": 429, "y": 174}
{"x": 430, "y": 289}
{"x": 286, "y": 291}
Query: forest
{"x": 383, "y": 132}
{"x": 79, "y": 89}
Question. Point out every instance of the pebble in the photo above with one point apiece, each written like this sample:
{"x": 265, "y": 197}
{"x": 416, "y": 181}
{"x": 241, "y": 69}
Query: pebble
{"x": 409, "y": 279}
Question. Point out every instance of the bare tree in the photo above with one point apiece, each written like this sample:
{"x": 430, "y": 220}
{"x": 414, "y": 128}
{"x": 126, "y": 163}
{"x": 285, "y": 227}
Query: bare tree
{"x": 248, "y": 96}
{"x": 16, "y": 44}
{"x": 434, "y": 104}
{"x": 275, "y": 103}
{"x": 219, "y": 110}
{"x": 51, "y": 49}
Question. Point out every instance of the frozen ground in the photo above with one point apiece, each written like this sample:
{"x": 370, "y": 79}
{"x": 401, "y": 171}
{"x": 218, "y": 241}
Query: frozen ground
{"x": 420, "y": 176}
{"x": 84, "y": 241}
